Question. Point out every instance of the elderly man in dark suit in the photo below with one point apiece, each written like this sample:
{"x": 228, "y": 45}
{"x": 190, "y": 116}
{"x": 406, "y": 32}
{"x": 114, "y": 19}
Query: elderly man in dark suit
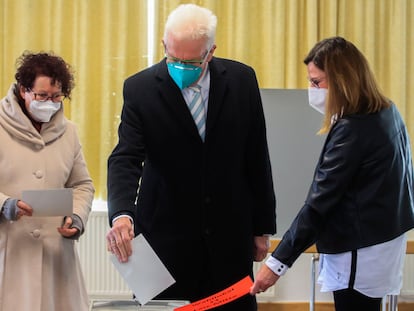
{"x": 191, "y": 170}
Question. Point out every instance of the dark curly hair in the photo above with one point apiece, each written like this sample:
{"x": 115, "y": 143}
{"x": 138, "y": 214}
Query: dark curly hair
{"x": 31, "y": 65}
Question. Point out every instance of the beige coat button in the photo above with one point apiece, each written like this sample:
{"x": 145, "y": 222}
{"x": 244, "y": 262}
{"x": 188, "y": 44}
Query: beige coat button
{"x": 36, "y": 233}
{"x": 38, "y": 174}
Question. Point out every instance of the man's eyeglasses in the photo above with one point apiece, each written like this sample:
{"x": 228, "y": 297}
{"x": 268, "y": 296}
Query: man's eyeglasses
{"x": 42, "y": 97}
{"x": 185, "y": 61}
{"x": 315, "y": 82}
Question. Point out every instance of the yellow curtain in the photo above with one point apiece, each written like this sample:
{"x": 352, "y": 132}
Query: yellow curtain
{"x": 107, "y": 40}
{"x": 104, "y": 40}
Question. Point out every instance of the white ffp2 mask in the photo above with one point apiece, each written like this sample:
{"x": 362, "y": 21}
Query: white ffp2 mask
{"x": 317, "y": 98}
{"x": 43, "y": 111}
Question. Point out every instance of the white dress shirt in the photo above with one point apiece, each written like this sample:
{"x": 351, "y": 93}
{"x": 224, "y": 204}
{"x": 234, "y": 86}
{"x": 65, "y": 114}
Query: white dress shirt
{"x": 204, "y": 83}
{"x": 379, "y": 269}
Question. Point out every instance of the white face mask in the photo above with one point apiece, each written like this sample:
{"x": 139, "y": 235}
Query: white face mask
{"x": 43, "y": 111}
{"x": 317, "y": 98}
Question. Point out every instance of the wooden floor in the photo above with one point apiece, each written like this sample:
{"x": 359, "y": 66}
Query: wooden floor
{"x": 321, "y": 306}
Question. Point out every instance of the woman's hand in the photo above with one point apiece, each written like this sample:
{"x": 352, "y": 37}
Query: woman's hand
{"x": 24, "y": 209}
{"x": 263, "y": 280}
{"x": 66, "y": 229}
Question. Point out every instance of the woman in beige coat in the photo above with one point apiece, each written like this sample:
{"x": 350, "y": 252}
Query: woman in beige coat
{"x": 40, "y": 149}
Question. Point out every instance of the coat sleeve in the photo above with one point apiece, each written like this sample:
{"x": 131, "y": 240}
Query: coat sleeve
{"x": 338, "y": 163}
{"x": 126, "y": 160}
{"x": 81, "y": 183}
{"x": 259, "y": 167}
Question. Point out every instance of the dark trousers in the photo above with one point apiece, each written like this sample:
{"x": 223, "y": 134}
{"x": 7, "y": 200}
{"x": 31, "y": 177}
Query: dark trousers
{"x": 350, "y": 299}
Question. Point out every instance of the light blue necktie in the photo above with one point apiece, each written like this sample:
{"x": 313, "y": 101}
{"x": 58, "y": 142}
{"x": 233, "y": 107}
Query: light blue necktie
{"x": 197, "y": 111}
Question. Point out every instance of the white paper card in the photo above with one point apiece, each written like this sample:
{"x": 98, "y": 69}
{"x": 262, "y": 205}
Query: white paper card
{"x": 50, "y": 202}
{"x": 144, "y": 272}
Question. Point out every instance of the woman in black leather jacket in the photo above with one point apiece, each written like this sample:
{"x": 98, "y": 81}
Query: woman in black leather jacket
{"x": 361, "y": 200}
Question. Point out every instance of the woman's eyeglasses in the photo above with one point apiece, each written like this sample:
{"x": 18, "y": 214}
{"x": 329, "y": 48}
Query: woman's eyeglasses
{"x": 42, "y": 97}
{"x": 315, "y": 82}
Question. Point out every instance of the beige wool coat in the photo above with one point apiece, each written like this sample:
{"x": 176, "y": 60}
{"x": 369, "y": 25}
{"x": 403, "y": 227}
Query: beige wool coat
{"x": 40, "y": 269}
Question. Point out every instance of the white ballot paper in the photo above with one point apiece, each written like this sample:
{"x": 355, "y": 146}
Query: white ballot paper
{"x": 144, "y": 272}
{"x": 50, "y": 202}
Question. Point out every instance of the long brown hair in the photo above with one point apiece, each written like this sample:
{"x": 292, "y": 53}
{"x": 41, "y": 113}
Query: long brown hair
{"x": 352, "y": 88}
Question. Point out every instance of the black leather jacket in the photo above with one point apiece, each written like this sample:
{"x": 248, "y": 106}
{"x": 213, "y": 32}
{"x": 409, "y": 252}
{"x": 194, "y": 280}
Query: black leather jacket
{"x": 362, "y": 192}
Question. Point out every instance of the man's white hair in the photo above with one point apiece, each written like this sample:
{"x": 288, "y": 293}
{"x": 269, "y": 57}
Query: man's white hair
{"x": 190, "y": 21}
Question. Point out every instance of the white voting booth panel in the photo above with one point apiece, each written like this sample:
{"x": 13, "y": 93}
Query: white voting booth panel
{"x": 294, "y": 148}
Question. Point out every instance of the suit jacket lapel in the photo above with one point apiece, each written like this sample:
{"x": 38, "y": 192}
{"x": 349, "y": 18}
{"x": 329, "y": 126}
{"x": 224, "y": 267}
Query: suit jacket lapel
{"x": 173, "y": 100}
{"x": 218, "y": 87}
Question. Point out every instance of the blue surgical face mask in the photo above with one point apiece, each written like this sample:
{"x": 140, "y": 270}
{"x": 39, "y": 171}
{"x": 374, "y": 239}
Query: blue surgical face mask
{"x": 184, "y": 74}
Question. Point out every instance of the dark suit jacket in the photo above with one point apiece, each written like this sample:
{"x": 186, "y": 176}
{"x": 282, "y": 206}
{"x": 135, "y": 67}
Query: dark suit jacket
{"x": 362, "y": 192}
{"x": 199, "y": 204}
